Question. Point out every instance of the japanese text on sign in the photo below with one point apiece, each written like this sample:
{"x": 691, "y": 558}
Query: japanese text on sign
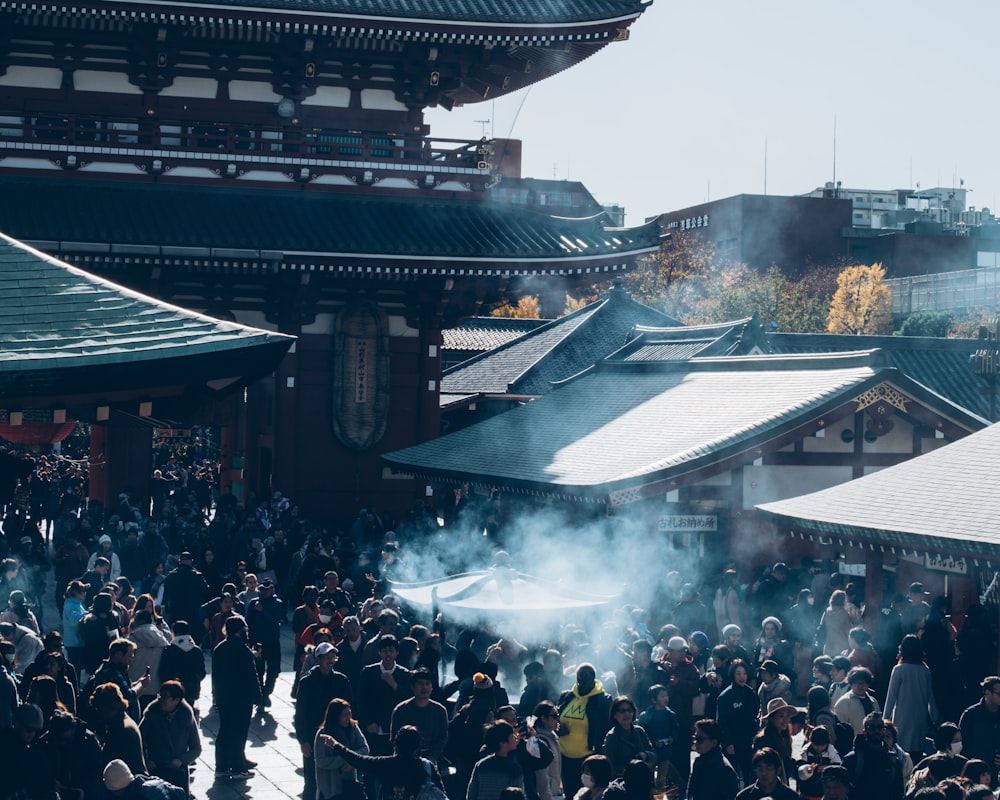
{"x": 361, "y": 371}
{"x": 701, "y": 221}
{"x": 688, "y": 523}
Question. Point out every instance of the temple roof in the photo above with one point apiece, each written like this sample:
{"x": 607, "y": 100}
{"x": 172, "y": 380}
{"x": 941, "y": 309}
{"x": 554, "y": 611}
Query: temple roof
{"x": 945, "y": 500}
{"x": 739, "y": 337}
{"x": 939, "y": 364}
{"x": 528, "y": 12}
{"x": 479, "y": 334}
{"x": 624, "y": 425}
{"x": 65, "y": 331}
{"x": 311, "y": 230}
{"x": 530, "y": 364}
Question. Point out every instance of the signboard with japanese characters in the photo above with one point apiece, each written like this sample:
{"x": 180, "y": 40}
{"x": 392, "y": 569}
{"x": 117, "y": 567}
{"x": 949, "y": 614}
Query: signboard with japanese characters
{"x": 956, "y": 565}
{"x": 689, "y": 223}
{"x": 689, "y": 523}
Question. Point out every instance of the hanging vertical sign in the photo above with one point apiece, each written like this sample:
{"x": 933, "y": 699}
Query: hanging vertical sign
{"x": 361, "y": 375}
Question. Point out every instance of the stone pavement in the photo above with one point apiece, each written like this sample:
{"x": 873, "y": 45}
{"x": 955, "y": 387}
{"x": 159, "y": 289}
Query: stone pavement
{"x": 272, "y": 744}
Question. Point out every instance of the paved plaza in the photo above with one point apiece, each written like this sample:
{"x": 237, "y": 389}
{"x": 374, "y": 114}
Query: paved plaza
{"x": 272, "y": 743}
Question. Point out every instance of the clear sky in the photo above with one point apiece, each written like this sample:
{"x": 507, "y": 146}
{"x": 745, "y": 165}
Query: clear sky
{"x": 687, "y": 108}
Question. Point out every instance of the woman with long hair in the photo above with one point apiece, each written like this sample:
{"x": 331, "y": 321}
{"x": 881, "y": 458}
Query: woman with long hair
{"x": 737, "y": 709}
{"x": 819, "y": 713}
{"x": 835, "y": 624}
{"x": 774, "y": 734}
{"x": 334, "y": 776}
{"x": 44, "y": 693}
{"x": 909, "y": 703}
{"x": 145, "y": 602}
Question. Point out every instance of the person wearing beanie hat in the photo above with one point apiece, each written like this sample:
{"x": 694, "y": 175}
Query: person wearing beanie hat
{"x": 117, "y": 776}
{"x": 732, "y": 637}
{"x": 120, "y": 782}
{"x": 105, "y": 549}
{"x": 683, "y": 681}
{"x": 772, "y": 646}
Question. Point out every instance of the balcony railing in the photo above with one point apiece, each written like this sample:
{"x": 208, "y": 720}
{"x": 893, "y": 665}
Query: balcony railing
{"x": 173, "y": 143}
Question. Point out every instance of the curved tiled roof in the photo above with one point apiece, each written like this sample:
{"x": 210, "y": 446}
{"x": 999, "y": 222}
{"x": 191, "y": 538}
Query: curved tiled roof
{"x": 480, "y": 334}
{"x": 628, "y": 425}
{"x": 489, "y": 11}
{"x": 558, "y": 350}
{"x": 945, "y": 500}
{"x": 56, "y": 320}
{"x": 939, "y": 364}
{"x": 332, "y": 225}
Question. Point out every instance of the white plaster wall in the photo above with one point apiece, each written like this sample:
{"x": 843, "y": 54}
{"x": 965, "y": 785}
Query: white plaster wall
{"x": 398, "y": 327}
{"x": 92, "y": 80}
{"x": 928, "y": 444}
{"x": 35, "y": 77}
{"x": 380, "y": 100}
{"x": 725, "y": 479}
{"x": 831, "y": 441}
{"x": 253, "y": 90}
{"x": 898, "y": 440}
{"x": 205, "y": 88}
{"x": 765, "y": 484}
{"x": 332, "y": 97}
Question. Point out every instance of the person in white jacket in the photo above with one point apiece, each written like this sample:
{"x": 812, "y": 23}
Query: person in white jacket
{"x": 104, "y": 548}
{"x": 150, "y": 643}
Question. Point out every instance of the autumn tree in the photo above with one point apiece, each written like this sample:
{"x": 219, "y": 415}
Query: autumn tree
{"x": 669, "y": 280}
{"x": 526, "y": 308}
{"x": 862, "y": 303}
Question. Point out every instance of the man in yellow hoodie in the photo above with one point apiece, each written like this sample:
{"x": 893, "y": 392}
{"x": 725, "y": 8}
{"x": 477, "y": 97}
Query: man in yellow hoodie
{"x": 584, "y": 719}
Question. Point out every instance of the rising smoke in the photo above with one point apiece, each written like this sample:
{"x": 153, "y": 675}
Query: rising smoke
{"x": 622, "y": 558}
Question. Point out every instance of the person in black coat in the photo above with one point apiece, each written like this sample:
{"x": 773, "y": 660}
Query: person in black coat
{"x": 737, "y": 707}
{"x": 712, "y": 777}
{"x": 875, "y": 771}
{"x": 383, "y": 686}
{"x": 184, "y": 661}
{"x": 236, "y": 689}
{"x": 184, "y": 590}
{"x": 316, "y": 689}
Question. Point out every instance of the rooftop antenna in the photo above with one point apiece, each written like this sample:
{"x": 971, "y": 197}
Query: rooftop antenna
{"x": 765, "y": 165}
{"x": 834, "y": 149}
{"x": 484, "y": 123}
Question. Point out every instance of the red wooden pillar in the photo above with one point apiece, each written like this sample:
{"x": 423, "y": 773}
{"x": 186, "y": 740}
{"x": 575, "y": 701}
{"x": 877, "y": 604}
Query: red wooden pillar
{"x": 121, "y": 460}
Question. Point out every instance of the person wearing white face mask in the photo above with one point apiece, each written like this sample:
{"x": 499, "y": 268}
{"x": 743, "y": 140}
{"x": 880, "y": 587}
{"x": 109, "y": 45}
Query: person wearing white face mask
{"x": 316, "y": 689}
{"x": 947, "y": 761}
{"x": 595, "y": 775}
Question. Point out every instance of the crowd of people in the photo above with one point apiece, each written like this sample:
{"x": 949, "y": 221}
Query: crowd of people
{"x": 772, "y": 686}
